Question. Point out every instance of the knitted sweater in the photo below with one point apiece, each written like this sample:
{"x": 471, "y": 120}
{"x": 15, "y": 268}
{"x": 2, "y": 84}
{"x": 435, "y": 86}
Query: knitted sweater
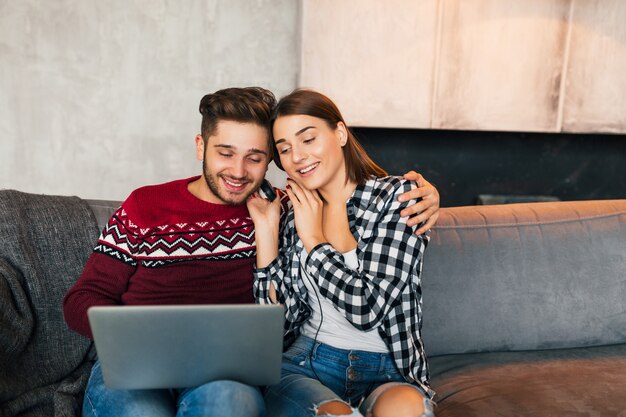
{"x": 165, "y": 246}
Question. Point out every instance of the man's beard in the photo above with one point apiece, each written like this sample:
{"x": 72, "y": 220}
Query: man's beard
{"x": 212, "y": 182}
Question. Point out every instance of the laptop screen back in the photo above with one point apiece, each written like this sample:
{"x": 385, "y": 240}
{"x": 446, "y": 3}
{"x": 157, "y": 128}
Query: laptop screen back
{"x": 145, "y": 347}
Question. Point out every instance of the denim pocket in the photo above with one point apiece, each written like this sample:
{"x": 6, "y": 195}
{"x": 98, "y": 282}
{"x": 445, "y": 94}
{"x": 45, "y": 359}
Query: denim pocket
{"x": 391, "y": 371}
{"x": 296, "y": 355}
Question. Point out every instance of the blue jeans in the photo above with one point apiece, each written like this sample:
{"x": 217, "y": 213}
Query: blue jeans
{"x": 214, "y": 399}
{"x": 314, "y": 373}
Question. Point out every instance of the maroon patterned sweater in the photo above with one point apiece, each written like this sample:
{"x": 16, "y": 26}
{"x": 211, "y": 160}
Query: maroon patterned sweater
{"x": 165, "y": 246}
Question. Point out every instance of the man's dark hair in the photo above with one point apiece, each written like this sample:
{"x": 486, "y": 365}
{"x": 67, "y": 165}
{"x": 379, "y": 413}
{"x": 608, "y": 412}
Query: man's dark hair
{"x": 244, "y": 105}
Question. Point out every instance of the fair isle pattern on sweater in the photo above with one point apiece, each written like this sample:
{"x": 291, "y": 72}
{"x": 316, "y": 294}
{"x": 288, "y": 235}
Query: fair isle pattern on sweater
{"x": 157, "y": 246}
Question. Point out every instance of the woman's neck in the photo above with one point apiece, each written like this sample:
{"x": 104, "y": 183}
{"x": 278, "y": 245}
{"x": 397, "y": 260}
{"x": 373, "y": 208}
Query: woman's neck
{"x": 337, "y": 191}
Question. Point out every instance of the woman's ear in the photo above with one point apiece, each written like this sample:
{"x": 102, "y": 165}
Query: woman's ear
{"x": 342, "y": 131}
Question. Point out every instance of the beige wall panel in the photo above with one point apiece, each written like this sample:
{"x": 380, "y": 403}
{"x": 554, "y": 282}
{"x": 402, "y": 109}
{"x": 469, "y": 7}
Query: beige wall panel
{"x": 373, "y": 58}
{"x": 501, "y": 63}
{"x": 595, "y": 94}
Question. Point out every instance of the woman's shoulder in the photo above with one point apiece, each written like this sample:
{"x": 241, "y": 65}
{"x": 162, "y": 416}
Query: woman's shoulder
{"x": 382, "y": 189}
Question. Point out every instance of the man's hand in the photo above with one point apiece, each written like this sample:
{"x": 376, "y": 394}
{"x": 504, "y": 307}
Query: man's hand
{"x": 427, "y": 209}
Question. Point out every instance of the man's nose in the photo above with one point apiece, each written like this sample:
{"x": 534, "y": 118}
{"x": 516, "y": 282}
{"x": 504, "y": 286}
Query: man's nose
{"x": 239, "y": 168}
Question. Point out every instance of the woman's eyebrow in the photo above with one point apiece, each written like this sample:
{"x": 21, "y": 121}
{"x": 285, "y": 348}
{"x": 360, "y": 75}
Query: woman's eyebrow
{"x": 298, "y": 133}
{"x": 304, "y": 129}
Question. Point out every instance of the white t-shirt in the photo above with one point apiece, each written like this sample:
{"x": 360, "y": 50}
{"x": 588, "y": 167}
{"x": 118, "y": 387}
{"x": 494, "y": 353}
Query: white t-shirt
{"x": 335, "y": 329}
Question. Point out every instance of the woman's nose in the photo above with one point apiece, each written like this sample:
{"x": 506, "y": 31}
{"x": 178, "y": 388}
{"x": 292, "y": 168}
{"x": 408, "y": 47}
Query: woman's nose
{"x": 297, "y": 155}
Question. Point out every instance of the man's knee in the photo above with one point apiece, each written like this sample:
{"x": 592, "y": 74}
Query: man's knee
{"x": 400, "y": 401}
{"x": 222, "y": 398}
{"x": 227, "y": 391}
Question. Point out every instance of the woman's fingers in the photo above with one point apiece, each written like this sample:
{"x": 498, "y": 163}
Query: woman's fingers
{"x": 298, "y": 191}
{"x": 292, "y": 196}
{"x": 305, "y": 196}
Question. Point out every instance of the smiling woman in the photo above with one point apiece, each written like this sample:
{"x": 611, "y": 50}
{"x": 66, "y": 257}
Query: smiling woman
{"x": 348, "y": 269}
{"x": 312, "y": 155}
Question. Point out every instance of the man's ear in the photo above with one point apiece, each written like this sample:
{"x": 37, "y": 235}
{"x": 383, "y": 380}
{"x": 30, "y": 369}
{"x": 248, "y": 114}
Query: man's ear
{"x": 199, "y": 147}
{"x": 342, "y": 131}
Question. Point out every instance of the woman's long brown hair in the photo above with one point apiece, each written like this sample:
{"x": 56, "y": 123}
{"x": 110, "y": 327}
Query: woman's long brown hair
{"x": 359, "y": 166}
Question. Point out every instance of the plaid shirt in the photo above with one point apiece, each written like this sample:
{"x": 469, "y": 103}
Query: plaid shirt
{"x": 383, "y": 294}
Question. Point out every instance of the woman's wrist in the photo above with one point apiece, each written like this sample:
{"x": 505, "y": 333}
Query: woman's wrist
{"x": 311, "y": 242}
{"x": 266, "y": 238}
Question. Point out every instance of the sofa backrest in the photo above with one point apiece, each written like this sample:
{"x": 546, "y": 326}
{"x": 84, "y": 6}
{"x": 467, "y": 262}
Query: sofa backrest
{"x": 518, "y": 276}
{"x": 526, "y": 276}
{"x": 44, "y": 243}
{"x": 103, "y": 210}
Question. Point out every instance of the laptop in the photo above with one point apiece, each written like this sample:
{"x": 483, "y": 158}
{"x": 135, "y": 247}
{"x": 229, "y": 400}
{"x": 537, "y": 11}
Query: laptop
{"x": 178, "y": 346}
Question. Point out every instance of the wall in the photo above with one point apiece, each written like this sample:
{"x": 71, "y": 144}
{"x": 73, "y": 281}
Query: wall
{"x": 98, "y": 98}
{"x": 510, "y": 65}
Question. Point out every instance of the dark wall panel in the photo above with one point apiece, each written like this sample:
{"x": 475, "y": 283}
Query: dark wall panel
{"x": 466, "y": 164}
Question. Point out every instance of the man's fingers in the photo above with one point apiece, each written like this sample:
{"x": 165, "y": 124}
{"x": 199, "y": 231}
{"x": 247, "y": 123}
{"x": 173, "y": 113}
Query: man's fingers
{"x": 422, "y": 191}
{"x": 428, "y": 225}
{"x": 417, "y": 208}
{"x": 413, "y": 194}
{"x": 414, "y": 176}
{"x": 421, "y": 217}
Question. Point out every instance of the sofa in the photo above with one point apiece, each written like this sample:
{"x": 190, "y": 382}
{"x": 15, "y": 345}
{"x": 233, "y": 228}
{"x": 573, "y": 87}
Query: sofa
{"x": 524, "y": 307}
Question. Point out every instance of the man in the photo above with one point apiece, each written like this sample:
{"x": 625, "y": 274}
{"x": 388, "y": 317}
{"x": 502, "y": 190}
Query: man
{"x": 191, "y": 241}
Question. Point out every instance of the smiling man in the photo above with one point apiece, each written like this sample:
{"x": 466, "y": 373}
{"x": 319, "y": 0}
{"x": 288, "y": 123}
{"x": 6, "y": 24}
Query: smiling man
{"x": 189, "y": 241}
{"x": 233, "y": 163}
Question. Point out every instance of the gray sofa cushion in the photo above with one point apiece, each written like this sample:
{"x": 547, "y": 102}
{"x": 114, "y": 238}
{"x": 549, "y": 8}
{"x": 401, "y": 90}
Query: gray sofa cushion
{"x": 103, "y": 210}
{"x": 44, "y": 365}
{"x": 526, "y": 276}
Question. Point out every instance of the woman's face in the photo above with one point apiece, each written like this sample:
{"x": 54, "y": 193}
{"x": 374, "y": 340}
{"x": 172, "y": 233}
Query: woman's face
{"x": 310, "y": 151}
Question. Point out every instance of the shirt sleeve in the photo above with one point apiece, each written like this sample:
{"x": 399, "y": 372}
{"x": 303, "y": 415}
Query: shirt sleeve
{"x": 106, "y": 274}
{"x": 391, "y": 259}
{"x": 278, "y": 272}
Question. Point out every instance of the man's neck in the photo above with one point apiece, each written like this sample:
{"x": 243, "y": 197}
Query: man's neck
{"x": 200, "y": 189}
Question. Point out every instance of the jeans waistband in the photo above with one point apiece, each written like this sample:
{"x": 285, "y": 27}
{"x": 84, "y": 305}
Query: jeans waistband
{"x": 306, "y": 343}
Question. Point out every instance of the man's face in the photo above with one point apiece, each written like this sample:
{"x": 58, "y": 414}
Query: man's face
{"x": 235, "y": 160}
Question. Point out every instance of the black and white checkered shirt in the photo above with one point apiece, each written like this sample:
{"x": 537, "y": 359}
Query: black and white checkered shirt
{"x": 384, "y": 293}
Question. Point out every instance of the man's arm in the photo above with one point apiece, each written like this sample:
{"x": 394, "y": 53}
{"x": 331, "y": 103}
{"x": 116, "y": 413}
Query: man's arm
{"x": 102, "y": 283}
{"x": 426, "y": 209}
{"x": 105, "y": 276}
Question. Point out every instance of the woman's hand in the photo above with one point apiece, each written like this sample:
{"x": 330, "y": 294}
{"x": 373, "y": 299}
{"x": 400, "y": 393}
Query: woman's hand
{"x": 262, "y": 211}
{"x": 308, "y": 209}
{"x": 427, "y": 209}
{"x": 266, "y": 218}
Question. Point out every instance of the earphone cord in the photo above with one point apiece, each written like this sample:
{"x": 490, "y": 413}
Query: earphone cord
{"x": 319, "y": 303}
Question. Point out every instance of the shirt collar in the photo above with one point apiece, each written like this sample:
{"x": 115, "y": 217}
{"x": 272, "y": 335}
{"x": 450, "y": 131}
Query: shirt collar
{"x": 362, "y": 195}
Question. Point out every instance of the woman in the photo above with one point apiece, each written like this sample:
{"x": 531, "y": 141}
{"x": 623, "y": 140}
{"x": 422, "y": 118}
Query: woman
{"x": 346, "y": 266}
